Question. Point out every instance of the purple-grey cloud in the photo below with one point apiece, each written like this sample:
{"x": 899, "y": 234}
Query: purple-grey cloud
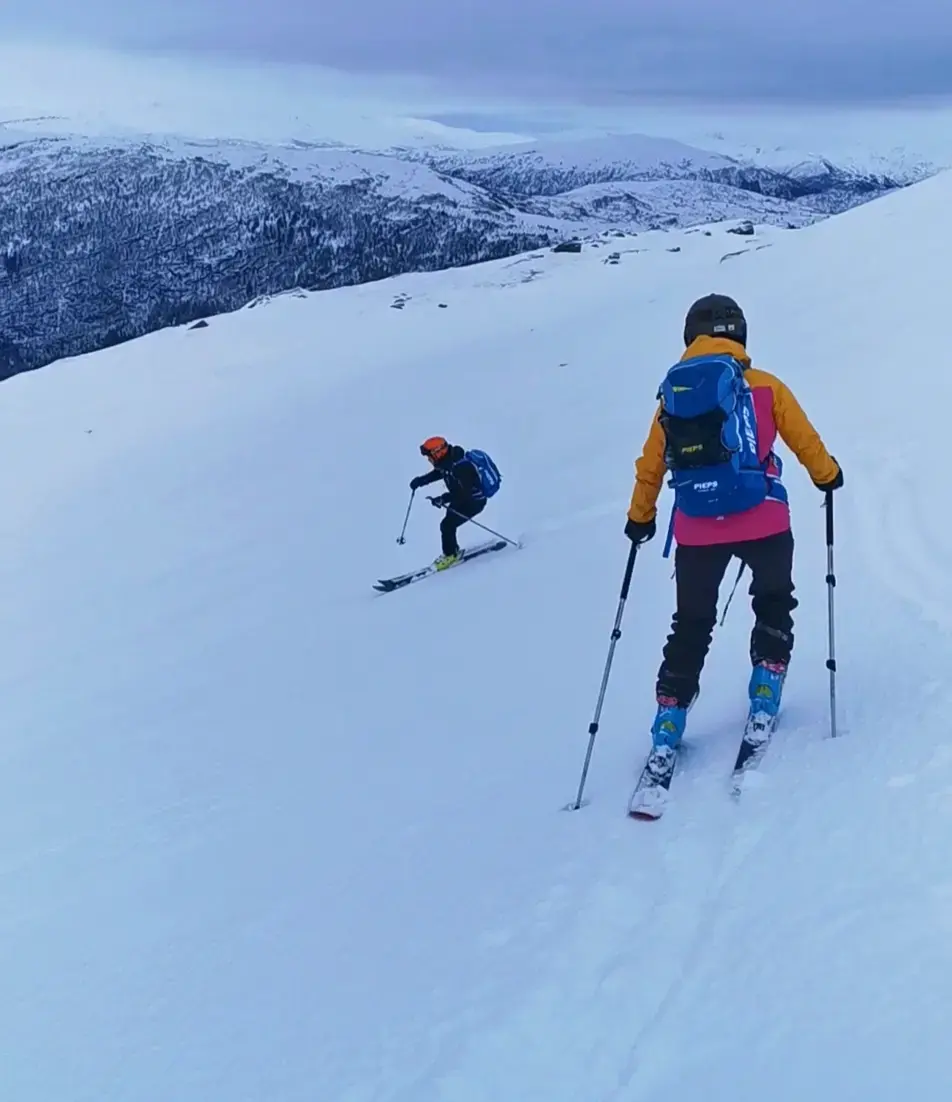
{"x": 598, "y": 50}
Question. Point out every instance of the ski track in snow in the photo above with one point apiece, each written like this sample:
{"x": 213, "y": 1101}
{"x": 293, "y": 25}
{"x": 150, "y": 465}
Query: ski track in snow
{"x": 268, "y": 836}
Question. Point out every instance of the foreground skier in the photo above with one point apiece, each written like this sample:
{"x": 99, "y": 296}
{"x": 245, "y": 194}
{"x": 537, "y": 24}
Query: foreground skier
{"x": 714, "y": 432}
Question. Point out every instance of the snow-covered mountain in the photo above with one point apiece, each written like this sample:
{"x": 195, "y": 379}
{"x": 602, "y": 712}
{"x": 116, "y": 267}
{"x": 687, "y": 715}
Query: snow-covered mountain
{"x": 858, "y": 145}
{"x": 551, "y": 168}
{"x": 267, "y": 836}
{"x": 106, "y": 239}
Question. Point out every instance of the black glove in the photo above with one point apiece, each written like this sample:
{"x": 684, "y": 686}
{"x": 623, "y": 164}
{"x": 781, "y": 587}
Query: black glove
{"x": 440, "y": 502}
{"x": 836, "y": 483}
{"x": 641, "y": 532}
{"x": 416, "y": 483}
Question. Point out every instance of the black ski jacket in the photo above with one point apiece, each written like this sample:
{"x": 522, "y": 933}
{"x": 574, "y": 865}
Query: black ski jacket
{"x": 462, "y": 481}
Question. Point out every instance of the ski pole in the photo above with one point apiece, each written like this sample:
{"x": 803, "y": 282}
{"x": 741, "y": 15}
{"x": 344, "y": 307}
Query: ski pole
{"x": 402, "y": 538}
{"x": 732, "y": 592}
{"x": 616, "y": 635}
{"x": 830, "y": 586}
{"x": 498, "y": 535}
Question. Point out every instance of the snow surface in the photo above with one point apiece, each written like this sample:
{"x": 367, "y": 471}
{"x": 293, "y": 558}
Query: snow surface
{"x": 266, "y": 836}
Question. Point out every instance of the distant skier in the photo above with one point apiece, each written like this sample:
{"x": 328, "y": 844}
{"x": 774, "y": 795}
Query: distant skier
{"x": 714, "y": 431}
{"x": 471, "y": 478}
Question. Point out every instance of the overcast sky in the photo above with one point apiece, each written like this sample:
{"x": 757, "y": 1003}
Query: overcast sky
{"x": 828, "y": 51}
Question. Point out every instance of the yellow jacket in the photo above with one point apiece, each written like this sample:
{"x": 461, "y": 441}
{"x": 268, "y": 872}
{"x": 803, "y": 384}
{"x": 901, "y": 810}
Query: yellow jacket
{"x": 789, "y": 422}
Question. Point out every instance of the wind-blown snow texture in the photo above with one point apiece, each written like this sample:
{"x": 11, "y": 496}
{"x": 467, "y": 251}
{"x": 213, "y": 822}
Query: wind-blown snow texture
{"x": 266, "y": 836}
{"x": 103, "y": 240}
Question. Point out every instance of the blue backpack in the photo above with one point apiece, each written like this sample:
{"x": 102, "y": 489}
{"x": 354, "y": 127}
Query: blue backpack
{"x": 489, "y": 476}
{"x": 710, "y": 428}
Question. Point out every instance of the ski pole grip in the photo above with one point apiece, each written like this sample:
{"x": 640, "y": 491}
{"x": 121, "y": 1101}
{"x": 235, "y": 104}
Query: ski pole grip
{"x": 829, "y": 518}
{"x": 629, "y": 568}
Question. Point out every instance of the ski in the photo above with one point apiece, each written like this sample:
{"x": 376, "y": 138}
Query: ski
{"x": 650, "y": 796}
{"x": 388, "y": 585}
{"x": 758, "y": 732}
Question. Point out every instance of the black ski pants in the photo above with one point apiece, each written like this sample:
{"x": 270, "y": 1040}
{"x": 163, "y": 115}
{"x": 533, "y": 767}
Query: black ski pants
{"x": 699, "y": 572}
{"x": 453, "y": 519}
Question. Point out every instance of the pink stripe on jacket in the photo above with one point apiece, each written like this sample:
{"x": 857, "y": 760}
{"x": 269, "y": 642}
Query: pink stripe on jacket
{"x": 767, "y": 519}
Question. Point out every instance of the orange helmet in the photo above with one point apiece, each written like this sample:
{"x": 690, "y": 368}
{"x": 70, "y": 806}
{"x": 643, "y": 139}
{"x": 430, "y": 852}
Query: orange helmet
{"x": 435, "y": 448}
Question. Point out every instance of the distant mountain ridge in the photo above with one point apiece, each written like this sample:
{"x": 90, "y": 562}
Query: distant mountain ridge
{"x": 102, "y": 240}
{"x": 552, "y": 168}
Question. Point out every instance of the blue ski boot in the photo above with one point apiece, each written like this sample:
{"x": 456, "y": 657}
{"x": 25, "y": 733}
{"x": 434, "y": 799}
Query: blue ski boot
{"x": 766, "y": 685}
{"x": 669, "y": 723}
{"x": 765, "y": 689}
{"x": 648, "y": 799}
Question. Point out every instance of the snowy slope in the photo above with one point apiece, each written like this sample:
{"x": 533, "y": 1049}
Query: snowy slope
{"x": 265, "y": 836}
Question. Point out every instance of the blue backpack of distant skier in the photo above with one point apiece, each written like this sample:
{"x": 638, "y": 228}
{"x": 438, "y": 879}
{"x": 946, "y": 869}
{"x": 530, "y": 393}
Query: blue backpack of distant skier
{"x": 489, "y": 476}
{"x": 710, "y": 428}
